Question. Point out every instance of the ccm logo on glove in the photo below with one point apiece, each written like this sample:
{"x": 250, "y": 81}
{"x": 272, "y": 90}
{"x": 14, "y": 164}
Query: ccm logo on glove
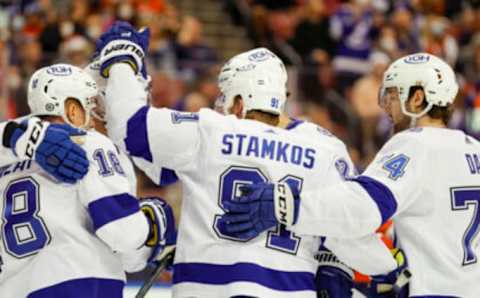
{"x": 34, "y": 137}
{"x": 284, "y": 204}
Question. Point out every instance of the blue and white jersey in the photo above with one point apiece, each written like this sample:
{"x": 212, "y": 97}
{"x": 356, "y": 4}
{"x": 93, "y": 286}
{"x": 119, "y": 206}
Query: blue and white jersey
{"x": 428, "y": 180}
{"x": 213, "y": 156}
{"x": 357, "y": 253}
{"x": 158, "y": 175}
{"x": 54, "y": 233}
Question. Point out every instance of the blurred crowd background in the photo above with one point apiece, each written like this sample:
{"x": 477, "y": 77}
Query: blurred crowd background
{"x": 335, "y": 51}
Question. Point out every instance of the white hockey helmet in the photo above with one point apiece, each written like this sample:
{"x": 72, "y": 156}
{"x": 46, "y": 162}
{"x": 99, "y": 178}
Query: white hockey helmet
{"x": 51, "y": 86}
{"x": 259, "y": 77}
{"x": 431, "y": 73}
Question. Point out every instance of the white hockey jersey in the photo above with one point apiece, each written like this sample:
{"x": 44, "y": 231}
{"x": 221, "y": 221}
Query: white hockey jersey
{"x": 53, "y": 233}
{"x": 428, "y": 180}
{"x": 213, "y": 155}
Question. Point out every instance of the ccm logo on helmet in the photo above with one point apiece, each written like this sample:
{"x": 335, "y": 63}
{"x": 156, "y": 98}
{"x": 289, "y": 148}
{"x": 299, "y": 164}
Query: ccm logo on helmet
{"x": 417, "y": 59}
{"x": 59, "y": 70}
{"x": 260, "y": 56}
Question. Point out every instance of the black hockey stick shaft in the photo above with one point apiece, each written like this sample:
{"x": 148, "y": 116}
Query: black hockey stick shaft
{"x": 161, "y": 265}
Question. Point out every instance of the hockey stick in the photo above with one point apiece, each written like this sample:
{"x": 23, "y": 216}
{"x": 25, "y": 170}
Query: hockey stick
{"x": 165, "y": 259}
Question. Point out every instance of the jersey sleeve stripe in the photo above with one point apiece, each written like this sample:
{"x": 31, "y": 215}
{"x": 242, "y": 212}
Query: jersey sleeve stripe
{"x": 294, "y": 123}
{"x": 136, "y": 140}
{"x": 110, "y": 208}
{"x": 83, "y": 287}
{"x": 215, "y": 274}
{"x": 380, "y": 194}
{"x": 167, "y": 177}
{"x": 435, "y": 296}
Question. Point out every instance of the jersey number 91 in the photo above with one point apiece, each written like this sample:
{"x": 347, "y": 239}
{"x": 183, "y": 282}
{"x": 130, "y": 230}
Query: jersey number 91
{"x": 235, "y": 176}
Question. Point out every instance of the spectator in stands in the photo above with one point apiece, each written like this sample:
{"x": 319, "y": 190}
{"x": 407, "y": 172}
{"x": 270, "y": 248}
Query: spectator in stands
{"x": 312, "y": 39}
{"x": 281, "y": 24}
{"x": 352, "y": 27}
{"x": 194, "y": 101}
{"x": 438, "y": 41}
{"x": 192, "y": 52}
{"x": 76, "y": 50}
{"x": 406, "y": 33}
{"x": 365, "y": 101}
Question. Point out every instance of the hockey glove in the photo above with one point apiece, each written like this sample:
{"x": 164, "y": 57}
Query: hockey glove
{"x": 334, "y": 279}
{"x": 261, "y": 207}
{"x": 161, "y": 239}
{"x": 393, "y": 284}
{"x": 162, "y": 225}
{"x": 50, "y": 145}
{"x": 123, "y": 44}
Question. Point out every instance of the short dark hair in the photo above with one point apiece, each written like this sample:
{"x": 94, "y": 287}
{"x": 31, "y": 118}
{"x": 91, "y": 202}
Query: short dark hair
{"x": 260, "y": 115}
{"x": 436, "y": 112}
{"x": 264, "y": 117}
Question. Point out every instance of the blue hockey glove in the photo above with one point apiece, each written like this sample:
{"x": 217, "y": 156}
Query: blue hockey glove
{"x": 261, "y": 207}
{"x": 50, "y": 145}
{"x": 162, "y": 225}
{"x": 334, "y": 279}
{"x": 123, "y": 43}
{"x": 393, "y": 284}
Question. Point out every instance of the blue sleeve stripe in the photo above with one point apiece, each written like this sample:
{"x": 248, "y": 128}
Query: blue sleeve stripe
{"x": 83, "y": 287}
{"x": 380, "y": 194}
{"x": 167, "y": 177}
{"x": 214, "y": 274}
{"x": 136, "y": 141}
{"x": 293, "y": 123}
{"x": 111, "y": 208}
{"x": 434, "y": 296}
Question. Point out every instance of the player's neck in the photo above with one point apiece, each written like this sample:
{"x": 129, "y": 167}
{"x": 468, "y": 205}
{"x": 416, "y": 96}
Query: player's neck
{"x": 427, "y": 121}
{"x": 53, "y": 119}
{"x": 284, "y": 121}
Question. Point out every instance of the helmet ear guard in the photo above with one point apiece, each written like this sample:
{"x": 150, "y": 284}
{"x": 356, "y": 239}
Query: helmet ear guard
{"x": 51, "y": 86}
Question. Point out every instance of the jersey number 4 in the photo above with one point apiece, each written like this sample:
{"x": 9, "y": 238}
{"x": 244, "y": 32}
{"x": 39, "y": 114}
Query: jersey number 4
{"x": 230, "y": 181}
{"x": 463, "y": 198}
{"x": 24, "y": 232}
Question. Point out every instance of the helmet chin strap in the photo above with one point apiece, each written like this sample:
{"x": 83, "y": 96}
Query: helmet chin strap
{"x": 415, "y": 116}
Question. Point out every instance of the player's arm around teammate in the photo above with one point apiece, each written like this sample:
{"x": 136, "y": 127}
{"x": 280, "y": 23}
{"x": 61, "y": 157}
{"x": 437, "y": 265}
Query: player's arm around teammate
{"x": 51, "y": 146}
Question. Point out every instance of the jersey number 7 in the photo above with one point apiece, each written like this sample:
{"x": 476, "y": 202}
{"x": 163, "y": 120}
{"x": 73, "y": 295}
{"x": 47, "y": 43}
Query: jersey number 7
{"x": 462, "y": 199}
{"x": 230, "y": 181}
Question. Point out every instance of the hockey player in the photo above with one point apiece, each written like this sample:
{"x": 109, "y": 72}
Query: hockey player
{"x": 333, "y": 276}
{"x": 62, "y": 240}
{"x": 161, "y": 177}
{"x": 425, "y": 177}
{"x": 209, "y": 261}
